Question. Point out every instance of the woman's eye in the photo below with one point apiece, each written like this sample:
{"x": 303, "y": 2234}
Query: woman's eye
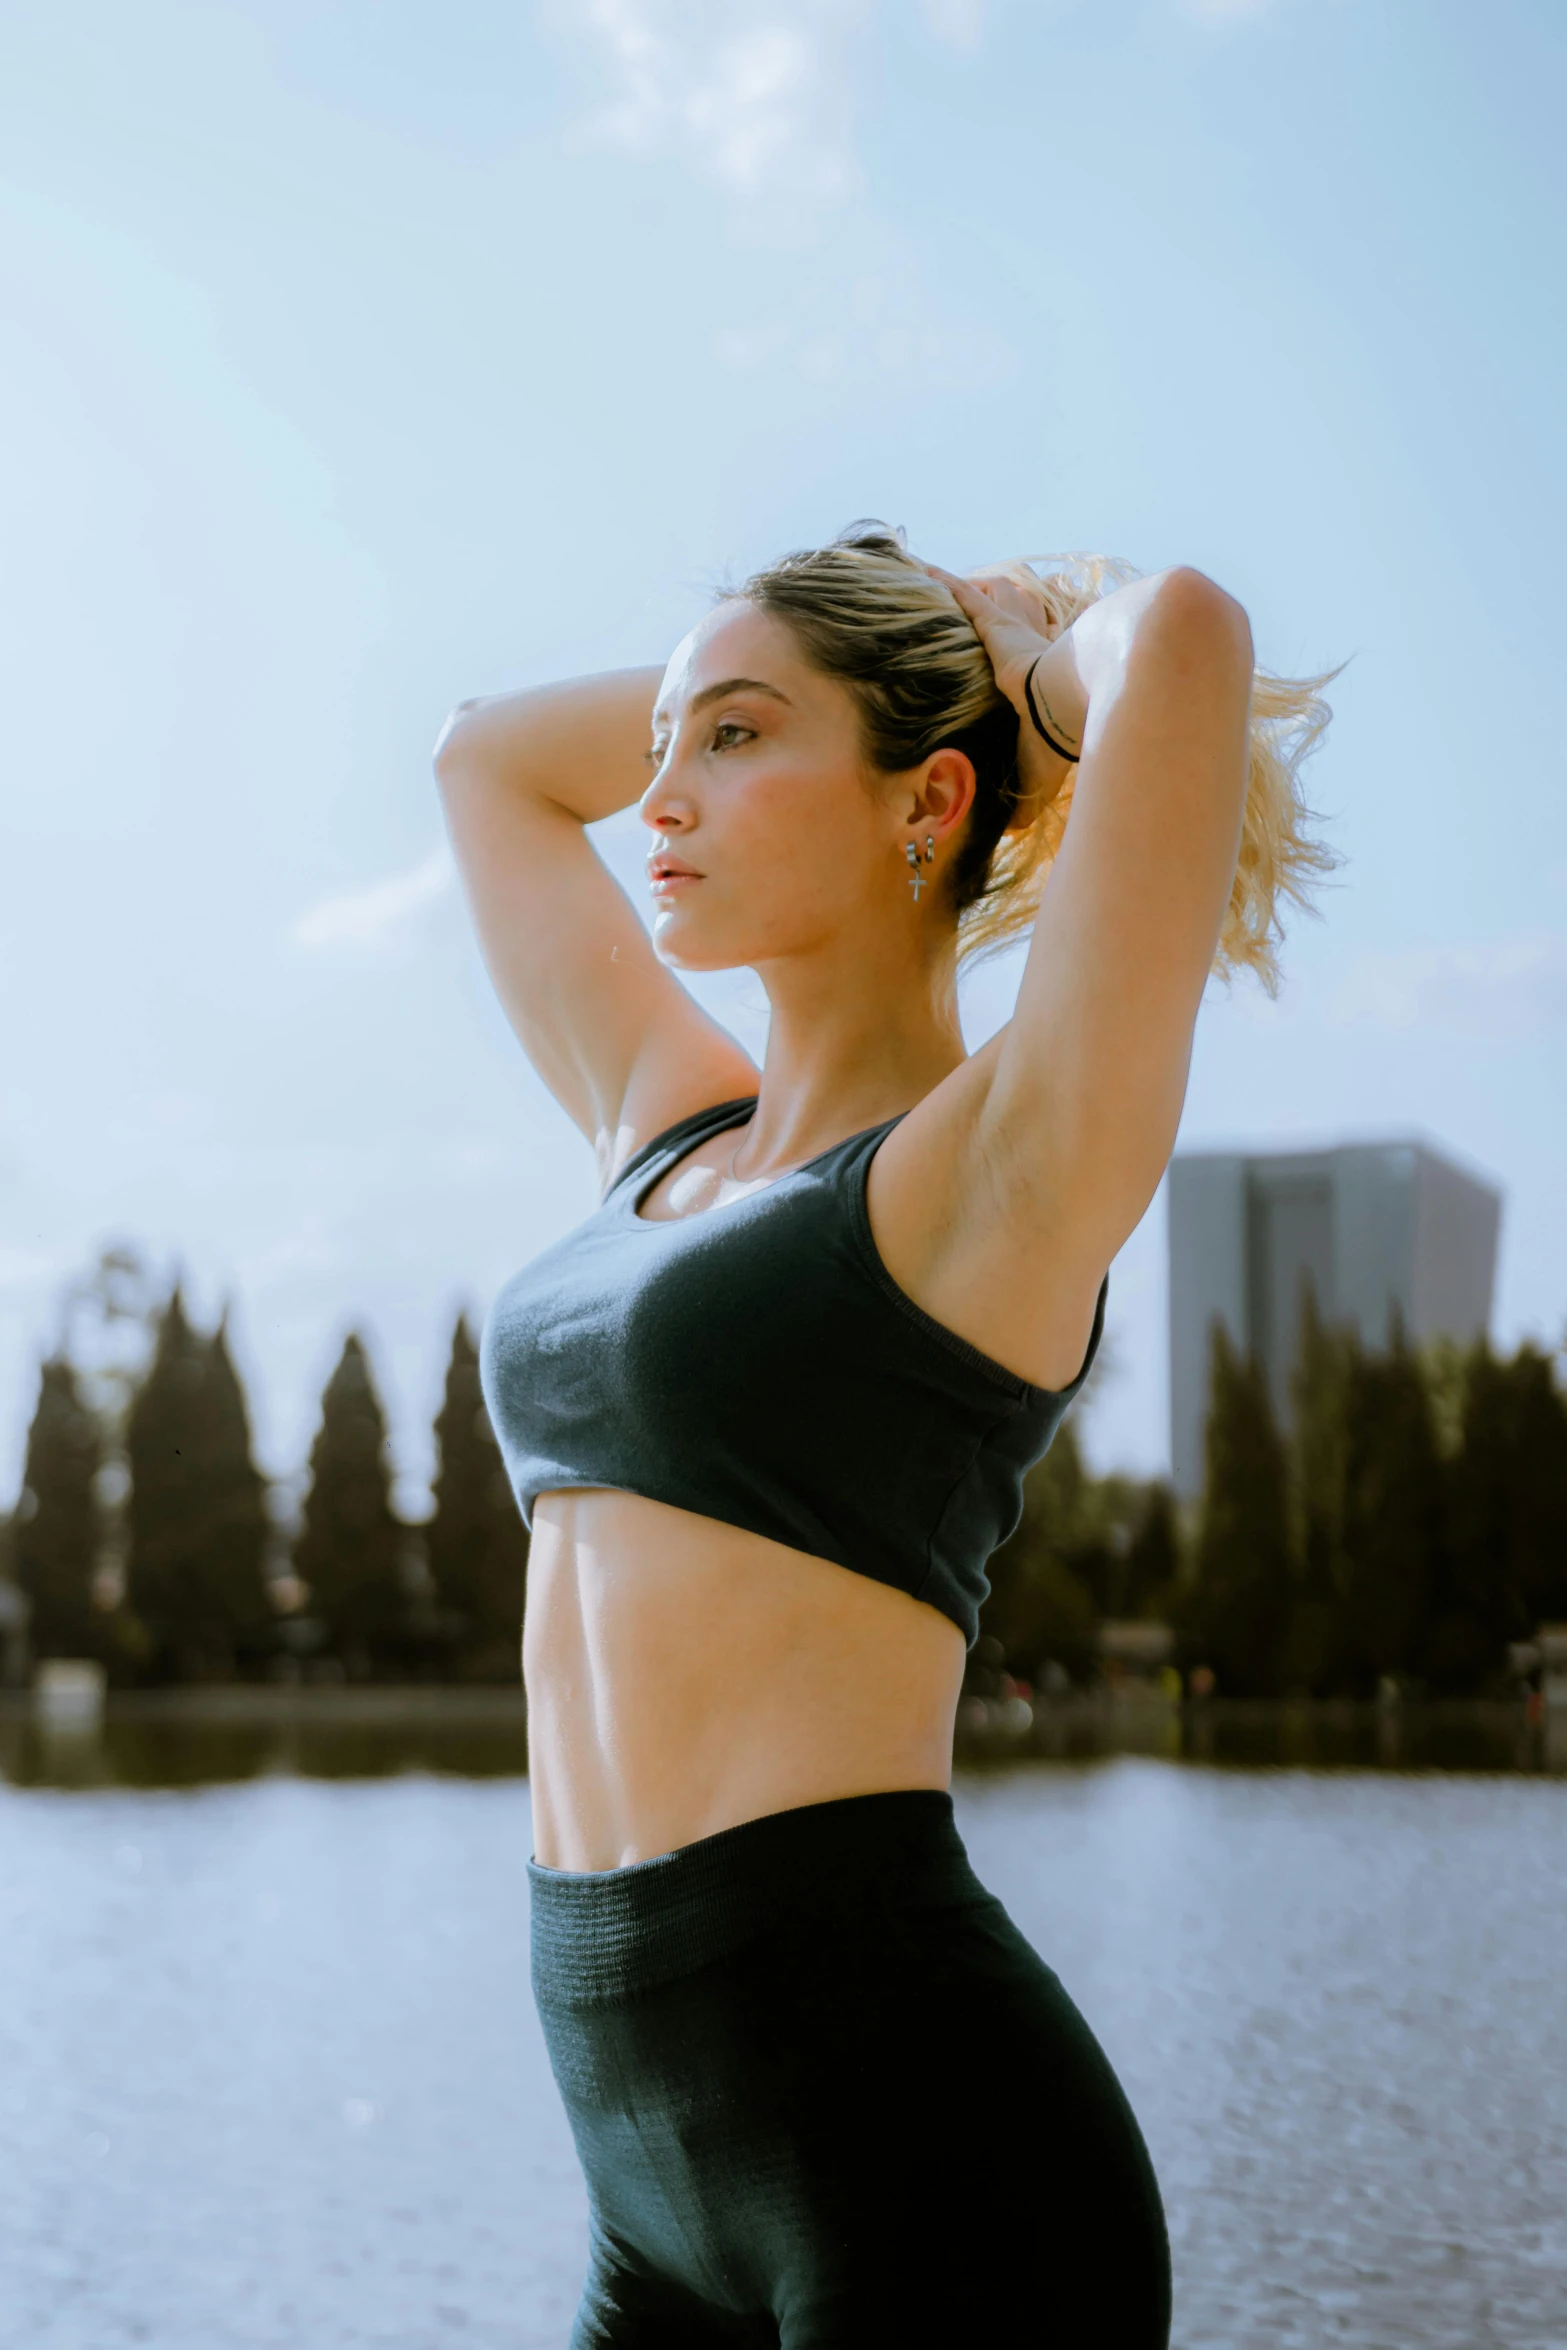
{"x": 732, "y": 728}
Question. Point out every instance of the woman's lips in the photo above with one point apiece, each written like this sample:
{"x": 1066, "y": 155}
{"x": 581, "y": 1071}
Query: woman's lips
{"x": 669, "y": 878}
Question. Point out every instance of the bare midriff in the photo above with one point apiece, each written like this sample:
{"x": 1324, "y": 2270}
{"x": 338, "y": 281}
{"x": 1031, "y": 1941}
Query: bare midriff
{"x": 685, "y": 1676}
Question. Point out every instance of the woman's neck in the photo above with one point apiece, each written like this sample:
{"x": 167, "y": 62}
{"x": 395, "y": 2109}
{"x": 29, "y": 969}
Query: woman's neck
{"x": 849, "y": 1045}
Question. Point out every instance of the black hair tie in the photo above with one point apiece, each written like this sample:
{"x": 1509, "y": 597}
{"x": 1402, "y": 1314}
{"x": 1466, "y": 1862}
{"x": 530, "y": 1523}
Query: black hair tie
{"x": 1060, "y": 749}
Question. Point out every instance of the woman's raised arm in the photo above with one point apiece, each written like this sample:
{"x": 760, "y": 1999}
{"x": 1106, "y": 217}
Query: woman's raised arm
{"x": 1053, "y": 1136}
{"x": 614, "y": 1035}
{"x": 1154, "y": 684}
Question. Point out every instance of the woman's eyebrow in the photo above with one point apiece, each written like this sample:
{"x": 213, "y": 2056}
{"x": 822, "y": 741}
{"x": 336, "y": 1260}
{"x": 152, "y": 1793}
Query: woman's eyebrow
{"x": 736, "y": 685}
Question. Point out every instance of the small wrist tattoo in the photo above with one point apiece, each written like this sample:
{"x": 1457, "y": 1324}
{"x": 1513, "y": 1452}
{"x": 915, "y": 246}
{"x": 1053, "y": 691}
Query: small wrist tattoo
{"x": 1040, "y": 728}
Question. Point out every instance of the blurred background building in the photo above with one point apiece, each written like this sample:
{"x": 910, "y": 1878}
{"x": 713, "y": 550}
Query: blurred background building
{"x": 1377, "y": 1228}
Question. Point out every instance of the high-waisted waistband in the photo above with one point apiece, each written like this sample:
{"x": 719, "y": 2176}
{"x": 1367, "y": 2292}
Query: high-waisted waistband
{"x": 602, "y": 1933}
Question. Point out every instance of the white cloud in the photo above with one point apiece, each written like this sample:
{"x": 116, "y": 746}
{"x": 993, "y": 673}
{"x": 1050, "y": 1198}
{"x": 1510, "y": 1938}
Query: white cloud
{"x": 754, "y": 94}
{"x": 1492, "y": 987}
{"x": 879, "y": 324}
{"x": 759, "y": 97}
{"x": 378, "y": 915}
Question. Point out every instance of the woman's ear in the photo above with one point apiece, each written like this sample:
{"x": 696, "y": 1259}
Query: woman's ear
{"x": 944, "y": 790}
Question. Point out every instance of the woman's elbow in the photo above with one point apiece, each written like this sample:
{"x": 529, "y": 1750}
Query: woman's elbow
{"x": 453, "y": 742}
{"x": 1205, "y": 618}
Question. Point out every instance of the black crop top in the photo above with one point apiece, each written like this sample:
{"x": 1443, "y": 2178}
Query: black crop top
{"x": 758, "y": 1364}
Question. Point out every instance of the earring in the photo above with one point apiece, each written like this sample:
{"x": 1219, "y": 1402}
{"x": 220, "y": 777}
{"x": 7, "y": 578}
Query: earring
{"x": 916, "y": 877}
{"x": 930, "y": 848}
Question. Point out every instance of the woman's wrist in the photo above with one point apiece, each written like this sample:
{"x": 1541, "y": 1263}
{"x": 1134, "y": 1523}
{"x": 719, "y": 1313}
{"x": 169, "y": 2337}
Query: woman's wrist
{"x": 1045, "y": 726}
{"x": 1055, "y": 700}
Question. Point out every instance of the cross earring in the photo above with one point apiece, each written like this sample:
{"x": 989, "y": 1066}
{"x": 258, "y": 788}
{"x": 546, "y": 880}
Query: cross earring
{"x": 916, "y": 877}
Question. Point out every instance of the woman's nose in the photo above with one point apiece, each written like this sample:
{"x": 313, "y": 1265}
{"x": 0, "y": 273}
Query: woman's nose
{"x": 664, "y": 808}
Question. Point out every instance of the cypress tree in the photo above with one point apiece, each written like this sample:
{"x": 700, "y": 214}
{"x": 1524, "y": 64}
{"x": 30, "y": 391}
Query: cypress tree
{"x": 1506, "y": 1567}
{"x": 1236, "y": 1614}
{"x": 1152, "y": 1566}
{"x": 1391, "y": 1522}
{"x": 1539, "y": 1524}
{"x": 196, "y": 1519}
{"x": 351, "y": 1546}
{"x": 478, "y": 1544}
{"x": 54, "y": 1536}
{"x": 1109, "y": 1511}
{"x": 236, "y": 1506}
{"x": 165, "y": 1559}
{"x": 1325, "y": 1370}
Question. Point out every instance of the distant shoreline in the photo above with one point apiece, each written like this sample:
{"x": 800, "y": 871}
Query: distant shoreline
{"x": 269, "y": 1701}
{"x": 1132, "y": 1719}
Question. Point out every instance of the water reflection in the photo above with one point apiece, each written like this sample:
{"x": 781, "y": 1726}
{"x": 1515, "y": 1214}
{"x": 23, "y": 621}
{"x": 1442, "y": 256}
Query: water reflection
{"x": 469, "y": 1735}
{"x": 235, "y": 1735}
{"x": 271, "y": 2075}
{"x": 1322, "y": 1736}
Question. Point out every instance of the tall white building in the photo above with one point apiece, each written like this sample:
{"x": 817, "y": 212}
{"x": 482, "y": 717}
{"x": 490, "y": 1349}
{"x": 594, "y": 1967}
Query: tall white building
{"x": 1378, "y": 1228}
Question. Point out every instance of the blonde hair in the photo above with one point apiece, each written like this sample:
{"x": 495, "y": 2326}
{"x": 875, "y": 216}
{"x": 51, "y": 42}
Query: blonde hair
{"x": 866, "y": 612}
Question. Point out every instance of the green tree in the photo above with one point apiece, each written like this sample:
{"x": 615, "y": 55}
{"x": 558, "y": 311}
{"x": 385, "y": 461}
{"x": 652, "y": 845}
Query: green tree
{"x": 478, "y": 1544}
{"x": 1539, "y": 1532}
{"x": 54, "y": 1536}
{"x": 352, "y": 1550}
{"x": 1391, "y": 1519}
{"x": 235, "y": 1498}
{"x": 1325, "y": 1370}
{"x": 1506, "y": 1562}
{"x": 1040, "y": 1608}
{"x": 196, "y": 1518}
{"x": 1151, "y": 1567}
{"x": 1235, "y": 1615}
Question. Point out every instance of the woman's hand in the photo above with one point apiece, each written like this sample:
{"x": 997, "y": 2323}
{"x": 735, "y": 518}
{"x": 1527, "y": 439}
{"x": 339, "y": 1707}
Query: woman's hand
{"x": 1033, "y": 662}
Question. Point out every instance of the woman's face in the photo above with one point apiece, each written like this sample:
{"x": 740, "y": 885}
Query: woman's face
{"x": 770, "y": 835}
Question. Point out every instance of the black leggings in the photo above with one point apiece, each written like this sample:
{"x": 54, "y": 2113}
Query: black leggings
{"x": 827, "y": 2098}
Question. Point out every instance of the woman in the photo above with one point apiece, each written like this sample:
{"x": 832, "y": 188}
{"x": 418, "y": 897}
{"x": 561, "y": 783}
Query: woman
{"x": 769, "y": 1408}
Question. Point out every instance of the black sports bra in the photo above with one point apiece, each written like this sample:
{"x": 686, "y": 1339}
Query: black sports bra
{"x": 758, "y": 1364}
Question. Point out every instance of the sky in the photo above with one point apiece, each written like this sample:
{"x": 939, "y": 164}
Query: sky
{"x": 365, "y": 355}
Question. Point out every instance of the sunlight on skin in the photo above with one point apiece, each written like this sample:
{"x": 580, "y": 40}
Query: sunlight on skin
{"x": 685, "y": 1675}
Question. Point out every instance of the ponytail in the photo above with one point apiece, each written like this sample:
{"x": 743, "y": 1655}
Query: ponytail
{"x": 1279, "y": 859}
{"x": 866, "y": 613}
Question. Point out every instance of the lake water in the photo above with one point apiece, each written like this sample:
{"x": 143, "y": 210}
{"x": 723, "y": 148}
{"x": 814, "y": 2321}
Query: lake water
{"x": 270, "y": 2078}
